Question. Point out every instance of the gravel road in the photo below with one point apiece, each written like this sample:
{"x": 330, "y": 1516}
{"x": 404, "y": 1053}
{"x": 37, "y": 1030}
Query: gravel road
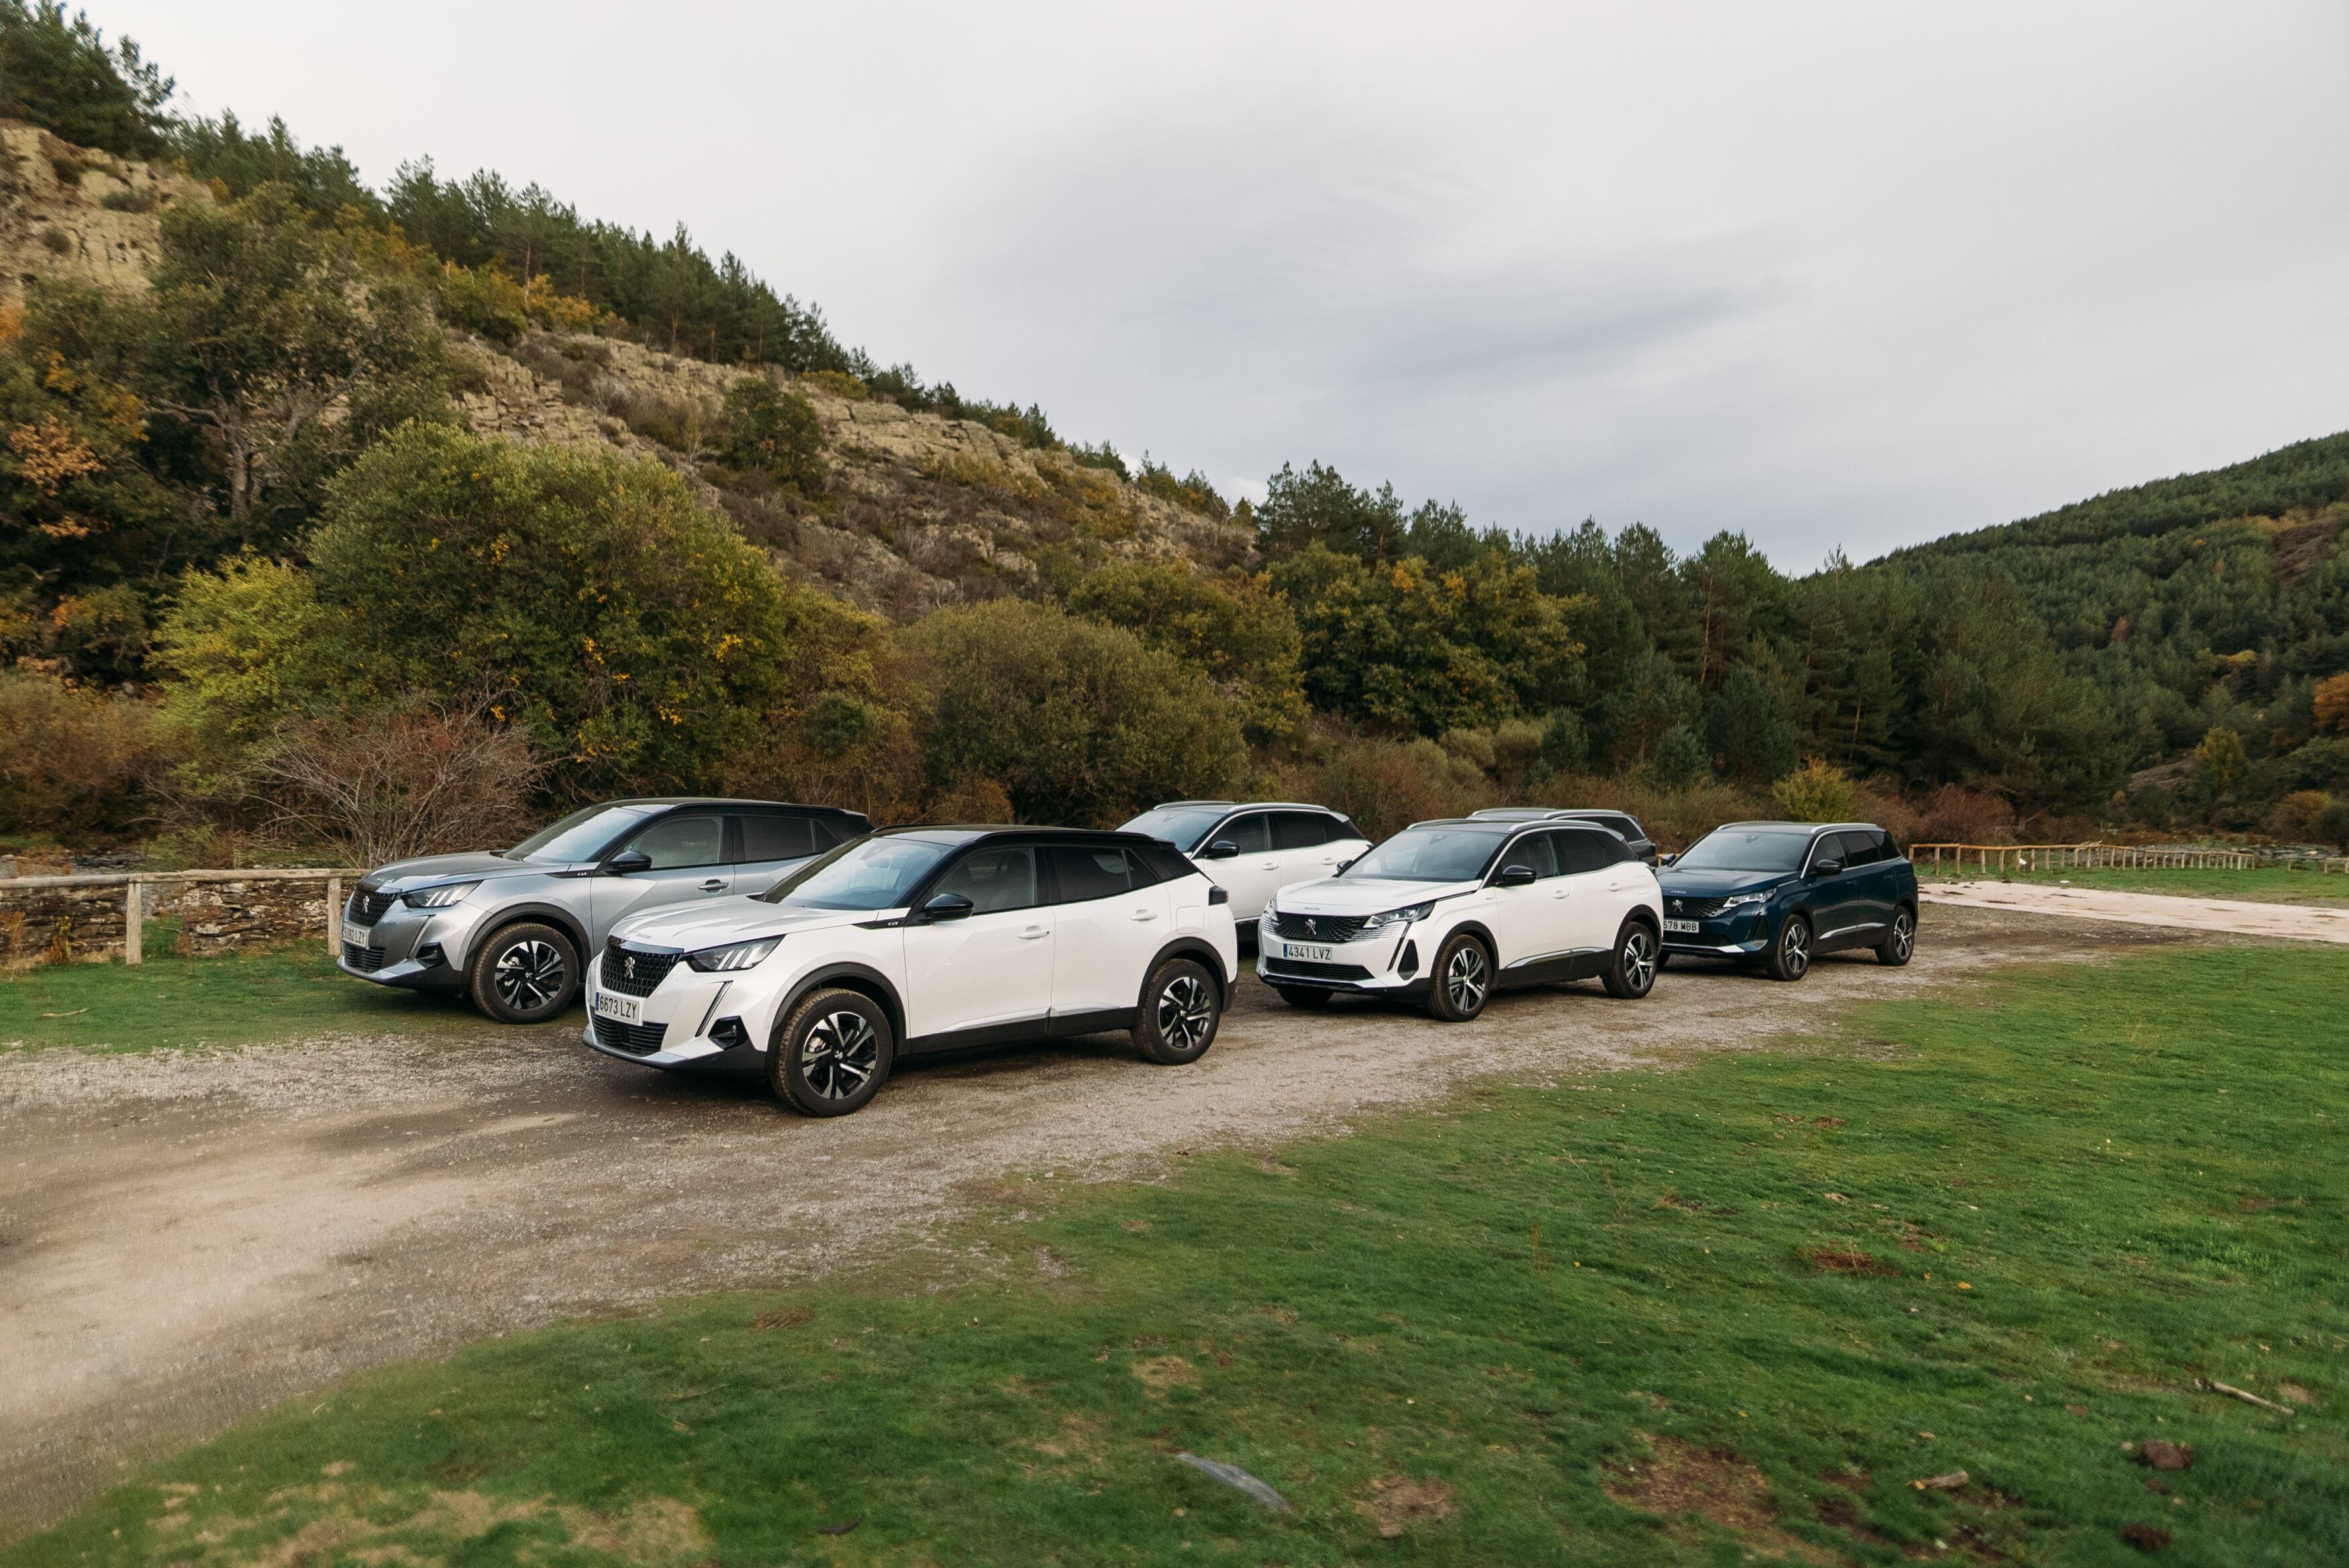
{"x": 2294, "y": 922}
{"x": 187, "y": 1238}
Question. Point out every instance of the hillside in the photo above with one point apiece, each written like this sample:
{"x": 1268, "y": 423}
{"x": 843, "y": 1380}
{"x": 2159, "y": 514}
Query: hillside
{"x": 71, "y": 213}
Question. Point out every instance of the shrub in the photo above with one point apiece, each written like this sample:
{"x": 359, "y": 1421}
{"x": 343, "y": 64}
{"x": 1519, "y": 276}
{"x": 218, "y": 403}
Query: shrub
{"x": 485, "y": 299}
{"x": 420, "y": 778}
{"x": 1673, "y": 817}
{"x": 1078, "y": 723}
{"x": 839, "y": 383}
{"x": 2330, "y": 703}
{"x": 1679, "y": 758}
{"x": 73, "y": 762}
{"x": 1748, "y": 730}
{"x": 2298, "y": 817}
{"x": 1954, "y": 814}
{"x": 1233, "y": 628}
{"x": 1565, "y": 744}
{"x": 1387, "y": 785}
{"x": 1815, "y": 792}
{"x": 774, "y": 432}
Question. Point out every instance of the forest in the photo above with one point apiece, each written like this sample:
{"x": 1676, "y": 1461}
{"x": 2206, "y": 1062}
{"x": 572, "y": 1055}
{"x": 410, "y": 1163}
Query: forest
{"x": 260, "y": 585}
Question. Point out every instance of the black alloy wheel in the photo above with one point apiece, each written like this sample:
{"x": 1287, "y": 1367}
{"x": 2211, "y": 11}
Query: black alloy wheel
{"x": 832, "y": 1054}
{"x": 1900, "y": 943}
{"x": 524, "y": 973}
{"x": 1789, "y": 957}
{"x": 1181, "y": 1009}
{"x": 1464, "y": 979}
{"x": 1631, "y": 973}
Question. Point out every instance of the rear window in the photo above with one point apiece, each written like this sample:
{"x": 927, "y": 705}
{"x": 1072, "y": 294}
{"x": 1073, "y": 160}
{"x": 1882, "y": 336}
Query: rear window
{"x": 1299, "y": 830}
{"x": 766, "y": 838}
{"x": 1585, "y": 851}
{"x": 1086, "y": 873}
{"x": 1157, "y": 863}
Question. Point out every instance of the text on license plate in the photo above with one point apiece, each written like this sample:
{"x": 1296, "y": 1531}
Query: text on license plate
{"x": 1305, "y": 954}
{"x": 619, "y": 1009}
{"x": 1680, "y": 927}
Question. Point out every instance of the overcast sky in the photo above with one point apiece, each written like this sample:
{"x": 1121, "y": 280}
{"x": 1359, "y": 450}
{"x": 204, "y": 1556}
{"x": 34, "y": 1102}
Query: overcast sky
{"x": 1831, "y": 275}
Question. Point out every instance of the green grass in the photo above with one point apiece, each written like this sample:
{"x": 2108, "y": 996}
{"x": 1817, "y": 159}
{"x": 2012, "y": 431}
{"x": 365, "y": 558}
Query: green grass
{"x": 235, "y": 998}
{"x": 2267, "y": 884}
{"x": 2058, "y": 1197}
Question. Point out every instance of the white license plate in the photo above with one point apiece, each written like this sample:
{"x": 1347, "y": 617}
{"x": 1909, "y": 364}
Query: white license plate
{"x": 619, "y": 1009}
{"x": 1679, "y": 928}
{"x": 1305, "y": 954}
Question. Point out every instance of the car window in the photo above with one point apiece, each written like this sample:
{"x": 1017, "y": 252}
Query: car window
{"x": 1082, "y": 873}
{"x": 1851, "y": 848}
{"x": 827, "y": 832}
{"x": 1181, "y": 826}
{"x": 993, "y": 879}
{"x": 1747, "y": 849}
{"x": 1252, "y": 833}
{"x": 1429, "y": 855}
{"x": 770, "y": 838}
{"x": 1625, "y": 826}
{"x": 1533, "y": 849}
{"x": 870, "y": 873}
{"x": 1585, "y": 851}
{"x": 1153, "y": 864}
{"x": 582, "y": 836}
{"x": 676, "y": 842}
{"x": 1299, "y": 830}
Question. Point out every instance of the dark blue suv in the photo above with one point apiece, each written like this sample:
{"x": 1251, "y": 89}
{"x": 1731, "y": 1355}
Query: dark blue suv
{"x": 1781, "y": 893}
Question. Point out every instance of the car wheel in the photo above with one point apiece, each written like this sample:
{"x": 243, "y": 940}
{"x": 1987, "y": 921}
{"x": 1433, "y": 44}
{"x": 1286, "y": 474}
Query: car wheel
{"x": 831, "y": 1053}
{"x": 524, "y": 973}
{"x": 1900, "y": 943}
{"x": 1631, "y": 972}
{"x": 1789, "y": 957}
{"x": 1464, "y": 979}
{"x": 1307, "y": 997}
{"x": 1180, "y": 1010}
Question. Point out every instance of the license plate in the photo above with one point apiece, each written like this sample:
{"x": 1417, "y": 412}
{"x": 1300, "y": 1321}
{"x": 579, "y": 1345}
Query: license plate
{"x": 1305, "y": 954}
{"x": 619, "y": 1009}
{"x": 1679, "y": 928}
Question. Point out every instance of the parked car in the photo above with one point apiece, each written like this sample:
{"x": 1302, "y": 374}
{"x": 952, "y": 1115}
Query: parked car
{"x": 917, "y": 939}
{"x": 1781, "y": 893}
{"x": 1620, "y": 824}
{"x": 1448, "y": 912}
{"x": 1253, "y": 849}
{"x": 510, "y": 928}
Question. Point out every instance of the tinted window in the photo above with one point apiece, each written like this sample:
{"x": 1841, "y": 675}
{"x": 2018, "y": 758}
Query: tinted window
{"x": 1299, "y": 830}
{"x": 1534, "y": 850}
{"x": 871, "y": 873}
{"x": 1431, "y": 854}
{"x": 778, "y": 838}
{"x": 1181, "y": 826}
{"x": 1625, "y": 826}
{"x": 1153, "y": 863}
{"x": 993, "y": 879}
{"x": 1747, "y": 849}
{"x": 1252, "y": 833}
{"x": 1585, "y": 851}
{"x": 1084, "y": 872}
{"x": 675, "y": 842}
{"x": 582, "y": 836}
{"x": 1851, "y": 848}
{"x": 826, "y": 831}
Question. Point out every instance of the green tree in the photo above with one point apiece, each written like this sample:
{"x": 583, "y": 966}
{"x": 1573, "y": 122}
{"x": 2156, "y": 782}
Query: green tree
{"x": 1234, "y": 628}
{"x": 63, "y": 75}
{"x": 1748, "y": 733}
{"x": 1652, "y": 701}
{"x": 1078, "y": 723}
{"x": 774, "y": 432}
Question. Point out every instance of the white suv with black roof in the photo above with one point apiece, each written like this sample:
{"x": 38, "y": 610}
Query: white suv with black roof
{"x": 921, "y": 939}
{"x": 1252, "y": 849}
{"x": 1449, "y": 912}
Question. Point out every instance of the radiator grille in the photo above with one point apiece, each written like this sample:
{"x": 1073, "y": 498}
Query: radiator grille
{"x": 637, "y": 1039}
{"x": 634, "y": 971}
{"x": 365, "y": 960}
{"x": 367, "y": 908}
{"x": 1317, "y": 927}
{"x": 1293, "y": 969}
{"x": 1693, "y": 908}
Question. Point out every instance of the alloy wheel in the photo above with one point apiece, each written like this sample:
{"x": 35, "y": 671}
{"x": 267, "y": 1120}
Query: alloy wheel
{"x": 1795, "y": 945}
{"x": 1640, "y": 958}
{"x": 529, "y": 975}
{"x": 1904, "y": 934}
{"x": 839, "y": 1054}
{"x": 1185, "y": 1012}
{"x": 1463, "y": 978}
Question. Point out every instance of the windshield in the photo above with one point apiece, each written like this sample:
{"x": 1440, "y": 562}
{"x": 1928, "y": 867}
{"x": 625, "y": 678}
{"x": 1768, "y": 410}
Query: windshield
{"x": 1431, "y": 854}
{"x": 1181, "y": 826}
{"x": 1746, "y": 850}
{"x": 582, "y": 836}
{"x": 871, "y": 873}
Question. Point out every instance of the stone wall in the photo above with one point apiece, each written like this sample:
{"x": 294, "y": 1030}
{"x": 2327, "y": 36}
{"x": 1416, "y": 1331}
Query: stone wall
{"x": 50, "y": 919}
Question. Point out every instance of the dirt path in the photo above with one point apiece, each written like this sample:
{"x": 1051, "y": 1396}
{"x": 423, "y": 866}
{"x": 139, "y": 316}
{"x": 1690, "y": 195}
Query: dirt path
{"x": 2302, "y": 923}
{"x": 186, "y": 1239}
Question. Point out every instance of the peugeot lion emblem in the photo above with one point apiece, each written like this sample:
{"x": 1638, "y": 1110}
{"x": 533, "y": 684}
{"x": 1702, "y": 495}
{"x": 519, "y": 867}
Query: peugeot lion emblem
{"x": 1680, "y": 906}
{"x": 628, "y": 966}
{"x": 1312, "y": 928}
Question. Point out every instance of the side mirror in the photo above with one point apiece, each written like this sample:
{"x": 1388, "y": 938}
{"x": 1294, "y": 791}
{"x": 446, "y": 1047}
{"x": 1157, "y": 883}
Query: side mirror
{"x": 1826, "y": 868}
{"x": 1221, "y": 849}
{"x": 1667, "y": 859}
{"x": 628, "y": 860}
{"x": 947, "y": 906}
{"x": 1516, "y": 876}
{"x": 1347, "y": 861}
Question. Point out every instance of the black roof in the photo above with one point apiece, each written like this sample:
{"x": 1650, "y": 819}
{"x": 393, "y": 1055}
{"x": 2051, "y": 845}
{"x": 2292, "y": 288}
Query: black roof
{"x": 1803, "y": 826}
{"x": 734, "y": 801}
{"x": 974, "y": 831}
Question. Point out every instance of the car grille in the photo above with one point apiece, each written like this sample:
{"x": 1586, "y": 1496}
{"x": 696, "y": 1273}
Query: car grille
{"x": 637, "y": 1039}
{"x": 1317, "y": 927}
{"x": 1692, "y": 908}
{"x": 365, "y": 960}
{"x": 367, "y": 908}
{"x": 1295, "y": 969}
{"x": 634, "y": 972}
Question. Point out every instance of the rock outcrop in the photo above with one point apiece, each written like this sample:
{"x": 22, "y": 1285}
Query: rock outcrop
{"x": 68, "y": 212}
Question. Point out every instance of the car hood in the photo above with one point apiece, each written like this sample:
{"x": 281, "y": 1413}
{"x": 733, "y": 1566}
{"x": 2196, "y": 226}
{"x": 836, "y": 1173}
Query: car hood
{"x": 1716, "y": 884}
{"x": 714, "y": 922}
{"x": 1361, "y": 896}
{"x": 400, "y": 875}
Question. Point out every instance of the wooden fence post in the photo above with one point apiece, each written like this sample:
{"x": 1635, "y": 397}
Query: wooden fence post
{"x": 335, "y": 915}
{"x": 134, "y": 918}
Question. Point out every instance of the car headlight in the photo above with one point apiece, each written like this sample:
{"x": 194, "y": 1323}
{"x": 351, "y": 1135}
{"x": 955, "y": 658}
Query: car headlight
{"x": 1399, "y": 916}
{"x": 740, "y": 956}
{"x": 439, "y": 897}
{"x": 1734, "y": 899}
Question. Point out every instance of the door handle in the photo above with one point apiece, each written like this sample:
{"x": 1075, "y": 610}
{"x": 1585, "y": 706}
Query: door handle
{"x": 1145, "y": 915}
{"x": 713, "y": 885}
{"x": 1033, "y": 933}
{"x": 1269, "y": 866}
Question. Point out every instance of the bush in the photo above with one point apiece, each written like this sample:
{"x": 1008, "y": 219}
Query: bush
{"x": 73, "y": 762}
{"x": 2298, "y": 817}
{"x": 419, "y": 780}
{"x": 1078, "y": 723}
{"x": 1748, "y": 730}
{"x": 1679, "y": 758}
{"x": 1815, "y": 792}
{"x": 2330, "y": 703}
{"x": 774, "y": 432}
{"x": 1673, "y": 817}
{"x": 1954, "y": 814}
{"x": 1233, "y": 628}
{"x": 1387, "y": 785}
{"x": 839, "y": 383}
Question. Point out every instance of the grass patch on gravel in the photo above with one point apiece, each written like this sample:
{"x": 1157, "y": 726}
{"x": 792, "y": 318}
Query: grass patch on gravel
{"x": 235, "y": 998}
{"x": 2264, "y": 885}
{"x": 1637, "y": 1318}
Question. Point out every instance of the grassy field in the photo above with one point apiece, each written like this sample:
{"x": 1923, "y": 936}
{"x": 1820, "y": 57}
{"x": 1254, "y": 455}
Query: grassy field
{"x": 235, "y": 998}
{"x": 2265, "y": 885}
{"x": 1682, "y": 1317}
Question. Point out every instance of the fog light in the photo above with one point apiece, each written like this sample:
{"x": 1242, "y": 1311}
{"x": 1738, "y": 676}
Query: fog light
{"x": 429, "y": 954}
{"x": 1410, "y": 965}
{"x": 730, "y": 1033}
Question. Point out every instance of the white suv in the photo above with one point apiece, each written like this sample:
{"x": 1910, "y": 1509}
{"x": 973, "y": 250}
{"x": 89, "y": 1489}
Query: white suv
{"x": 1252, "y": 851}
{"x": 918, "y": 940}
{"x": 1451, "y": 910}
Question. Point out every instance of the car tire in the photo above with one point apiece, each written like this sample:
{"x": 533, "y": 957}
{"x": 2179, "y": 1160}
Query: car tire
{"x": 1900, "y": 943}
{"x": 1461, "y": 980}
{"x": 1181, "y": 1009}
{"x": 1789, "y": 957}
{"x": 1630, "y": 972}
{"x": 1310, "y": 997}
{"x": 831, "y": 1053}
{"x": 525, "y": 973}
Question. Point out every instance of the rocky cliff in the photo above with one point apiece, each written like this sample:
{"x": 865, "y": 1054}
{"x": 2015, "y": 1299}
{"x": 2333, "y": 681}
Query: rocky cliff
{"x": 68, "y": 212}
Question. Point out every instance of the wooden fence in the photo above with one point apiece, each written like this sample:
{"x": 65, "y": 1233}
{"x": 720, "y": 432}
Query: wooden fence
{"x": 2008, "y": 857}
{"x": 96, "y": 914}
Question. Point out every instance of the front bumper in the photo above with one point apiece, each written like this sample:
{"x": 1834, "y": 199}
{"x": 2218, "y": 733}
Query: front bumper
{"x": 1384, "y": 963}
{"x": 675, "y": 1023}
{"x": 418, "y": 949}
{"x": 1742, "y": 934}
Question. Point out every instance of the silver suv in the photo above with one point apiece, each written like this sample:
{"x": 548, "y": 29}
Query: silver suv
{"x": 508, "y": 927}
